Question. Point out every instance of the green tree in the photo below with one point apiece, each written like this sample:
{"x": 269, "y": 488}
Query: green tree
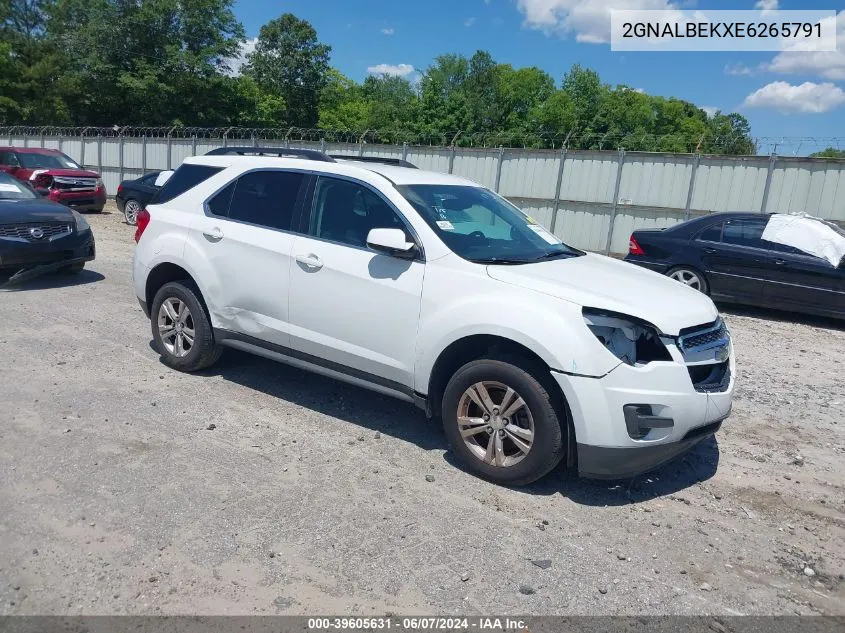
{"x": 289, "y": 61}
{"x": 830, "y": 152}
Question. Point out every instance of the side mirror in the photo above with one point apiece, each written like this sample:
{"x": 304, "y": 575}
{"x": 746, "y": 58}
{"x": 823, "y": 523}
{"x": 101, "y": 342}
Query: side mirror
{"x": 391, "y": 242}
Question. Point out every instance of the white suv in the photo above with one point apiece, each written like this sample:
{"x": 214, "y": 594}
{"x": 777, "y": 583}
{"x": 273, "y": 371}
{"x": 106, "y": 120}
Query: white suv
{"x": 433, "y": 289}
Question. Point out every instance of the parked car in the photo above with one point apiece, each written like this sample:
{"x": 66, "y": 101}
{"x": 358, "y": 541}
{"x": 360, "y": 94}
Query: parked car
{"x": 436, "y": 290}
{"x": 55, "y": 176}
{"x": 38, "y": 236}
{"x": 776, "y": 261}
{"x": 133, "y": 195}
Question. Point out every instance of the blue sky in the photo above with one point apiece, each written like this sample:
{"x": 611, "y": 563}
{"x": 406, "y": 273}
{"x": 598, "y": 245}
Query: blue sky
{"x": 782, "y": 95}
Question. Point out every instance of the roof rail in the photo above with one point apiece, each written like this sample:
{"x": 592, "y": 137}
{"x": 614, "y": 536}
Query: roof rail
{"x": 396, "y": 162}
{"x": 310, "y": 154}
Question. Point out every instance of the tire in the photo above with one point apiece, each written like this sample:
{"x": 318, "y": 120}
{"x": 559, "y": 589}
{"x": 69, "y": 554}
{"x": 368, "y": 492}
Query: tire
{"x": 690, "y": 276}
{"x": 547, "y": 446}
{"x": 130, "y": 211}
{"x": 74, "y": 269}
{"x": 202, "y": 351}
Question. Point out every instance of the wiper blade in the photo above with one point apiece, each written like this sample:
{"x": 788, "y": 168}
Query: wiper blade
{"x": 555, "y": 255}
{"x": 502, "y": 260}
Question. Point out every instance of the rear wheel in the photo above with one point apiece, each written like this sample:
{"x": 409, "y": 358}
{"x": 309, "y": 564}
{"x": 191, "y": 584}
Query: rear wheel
{"x": 130, "y": 211}
{"x": 501, "y": 421}
{"x": 689, "y": 277}
{"x": 181, "y": 328}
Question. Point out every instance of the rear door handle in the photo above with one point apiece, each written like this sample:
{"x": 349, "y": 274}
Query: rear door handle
{"x": 310, "y": 261}
{"x": 710, "y": 250}
{"x": 214, "y": 235}
{"x": 780, "y": 262}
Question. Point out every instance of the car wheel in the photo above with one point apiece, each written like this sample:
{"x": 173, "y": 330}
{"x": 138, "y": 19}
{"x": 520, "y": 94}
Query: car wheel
{"x": 689, "y": 277}
{"x": 130, "y": 211}
{"x": 501, "y": 421}
{"x": 181, "y": 328}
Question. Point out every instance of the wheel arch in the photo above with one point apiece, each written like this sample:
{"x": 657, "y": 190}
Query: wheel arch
{"x": 164, "y": 273}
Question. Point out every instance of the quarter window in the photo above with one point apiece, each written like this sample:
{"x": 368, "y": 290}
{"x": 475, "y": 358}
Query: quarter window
{"x": 186, "y": 177}
{"x": 267, "y": 198}
{"x": 219, "y": 204}
{"x": 345, "y": 212}
{"x": 712, "y": 233}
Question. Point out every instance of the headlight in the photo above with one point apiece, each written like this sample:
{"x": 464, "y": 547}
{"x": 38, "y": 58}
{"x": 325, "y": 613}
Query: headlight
{"x": 631, "y": 340}
{"x": 81, "y": 222}
{"x": 100, "y": 183}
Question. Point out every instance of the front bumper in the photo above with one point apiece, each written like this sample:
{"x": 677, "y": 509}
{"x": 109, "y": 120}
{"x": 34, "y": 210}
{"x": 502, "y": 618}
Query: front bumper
{"x": 606, "y": 449}
{"x": 80, "y": 200}
{"x": 72, "y": 249}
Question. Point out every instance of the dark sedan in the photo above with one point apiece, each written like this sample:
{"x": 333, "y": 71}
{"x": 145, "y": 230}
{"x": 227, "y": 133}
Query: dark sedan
{"x": 735, "y": 259}
{"x": 134, "y": 195}
{"x": 38, "y": 236}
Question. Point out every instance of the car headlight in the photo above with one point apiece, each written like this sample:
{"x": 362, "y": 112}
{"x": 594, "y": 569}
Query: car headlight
{"x": 81, "y": 222}
{"x": 100, "y": 183}
{"x": 631, "y": 340}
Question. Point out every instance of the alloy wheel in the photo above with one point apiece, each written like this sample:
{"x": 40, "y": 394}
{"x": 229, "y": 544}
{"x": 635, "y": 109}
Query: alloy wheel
{"x": 130, "y": 211}
{"x": 495, "y": 423}
{"x": 176, "y": 327}
{"x": 687, "y": 277}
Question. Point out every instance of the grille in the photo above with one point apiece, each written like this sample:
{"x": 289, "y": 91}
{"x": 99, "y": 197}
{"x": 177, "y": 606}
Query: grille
{"x": 74, "y": 184}
{"x": 24, "y": 231}
{"x": 710, "y": 336}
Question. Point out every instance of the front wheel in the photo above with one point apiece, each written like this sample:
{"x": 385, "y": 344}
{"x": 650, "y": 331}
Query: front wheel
{"x": 181, "y": 328}
{"x": 501, "y": 421}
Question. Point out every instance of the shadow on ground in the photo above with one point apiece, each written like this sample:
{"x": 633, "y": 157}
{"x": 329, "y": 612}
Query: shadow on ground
{"x": 770, "y": 314}
{"x": 374, "y": 412}
{"x": 54, "y": 280}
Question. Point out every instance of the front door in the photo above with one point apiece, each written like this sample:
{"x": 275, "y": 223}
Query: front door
{"x": 353, "y": 309}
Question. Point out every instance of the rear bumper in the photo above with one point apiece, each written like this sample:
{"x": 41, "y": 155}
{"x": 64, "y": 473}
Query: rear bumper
{"x": 655, "y": 265}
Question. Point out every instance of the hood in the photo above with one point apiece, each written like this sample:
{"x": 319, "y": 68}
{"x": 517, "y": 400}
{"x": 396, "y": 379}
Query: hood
{"x": 22, "y": 211}
{"x": 602, "y": 282}
{"x": 59, "y": 171}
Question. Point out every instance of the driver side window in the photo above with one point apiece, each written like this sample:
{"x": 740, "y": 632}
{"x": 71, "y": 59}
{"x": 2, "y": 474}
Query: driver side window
{"x": 345, "y": 212}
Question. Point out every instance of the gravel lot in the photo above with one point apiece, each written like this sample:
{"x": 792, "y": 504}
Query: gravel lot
{"x": 309, "y": 496}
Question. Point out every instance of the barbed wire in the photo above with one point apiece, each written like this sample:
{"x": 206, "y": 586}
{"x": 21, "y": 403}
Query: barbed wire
{"x": 675, "y": 143}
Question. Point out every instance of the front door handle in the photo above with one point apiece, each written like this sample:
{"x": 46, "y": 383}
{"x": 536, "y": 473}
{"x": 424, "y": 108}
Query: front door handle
{"x": 780, "y": 262}
{"x": 310, "y": 261}
{"x": 711, "y": 251}
{"x": 214, "y": 235}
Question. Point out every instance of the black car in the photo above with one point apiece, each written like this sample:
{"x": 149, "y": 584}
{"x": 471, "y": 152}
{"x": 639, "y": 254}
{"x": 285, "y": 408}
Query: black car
{"x": 134, "y": 195}
{"x": 38, "y": 236}
{"x": 724, "y": 255}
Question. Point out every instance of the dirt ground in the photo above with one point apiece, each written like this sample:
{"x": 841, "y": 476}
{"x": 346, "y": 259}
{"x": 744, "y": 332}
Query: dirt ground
{"x": 311, "y": 497}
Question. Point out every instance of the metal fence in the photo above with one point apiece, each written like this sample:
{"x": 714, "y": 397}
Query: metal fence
{"x": 590, "y": 199}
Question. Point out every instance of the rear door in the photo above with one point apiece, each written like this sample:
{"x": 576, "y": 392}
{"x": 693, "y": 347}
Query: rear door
{"x": 246, "y": 235}
{"x": 735, "y": 260}
{"x": 802, "y": 282}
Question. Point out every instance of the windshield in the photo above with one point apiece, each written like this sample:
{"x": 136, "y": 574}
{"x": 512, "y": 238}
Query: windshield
{"x": 483, "y": 227}
{"x": 12, "y": 189}
{"x": 31, "y": 160}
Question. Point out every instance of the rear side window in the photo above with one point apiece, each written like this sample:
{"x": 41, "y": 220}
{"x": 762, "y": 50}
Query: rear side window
{"x": 744, "y": 232}
{"x": 186, "y": 177}
{"x": 219, "y": 204}
{"x": 266, "y": 198}
{"x": 712, "y": 233}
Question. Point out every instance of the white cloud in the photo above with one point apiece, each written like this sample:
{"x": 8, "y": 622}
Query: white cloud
{"x": 826, "y": 64}
{"x": 387, "y": 31}
{"x": 710, "y": 110}
{"x": 399, "y": 70}
{"x": 807, "y": 98}
{"x": 588, "y": 19}
{"x": 469, "y": 22}
{"x": 738, "y": 69}
{"x": 237, "y": 62}
{"x": 767, "y": 5}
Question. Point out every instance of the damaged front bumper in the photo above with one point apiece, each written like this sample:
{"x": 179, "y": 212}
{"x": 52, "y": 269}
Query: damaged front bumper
{"x": 22, "y": 261}
{"x": 634, "y": 419}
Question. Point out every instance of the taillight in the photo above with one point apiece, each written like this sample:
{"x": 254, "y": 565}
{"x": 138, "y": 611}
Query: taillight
{"x": 634, "y": 248}
{"x": 141, "y": 221}
{"x": 119, "y": 188}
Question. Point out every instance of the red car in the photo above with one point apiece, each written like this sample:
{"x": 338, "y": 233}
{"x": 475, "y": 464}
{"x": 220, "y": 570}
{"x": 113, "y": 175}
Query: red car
{"x": 55, "y": 176}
